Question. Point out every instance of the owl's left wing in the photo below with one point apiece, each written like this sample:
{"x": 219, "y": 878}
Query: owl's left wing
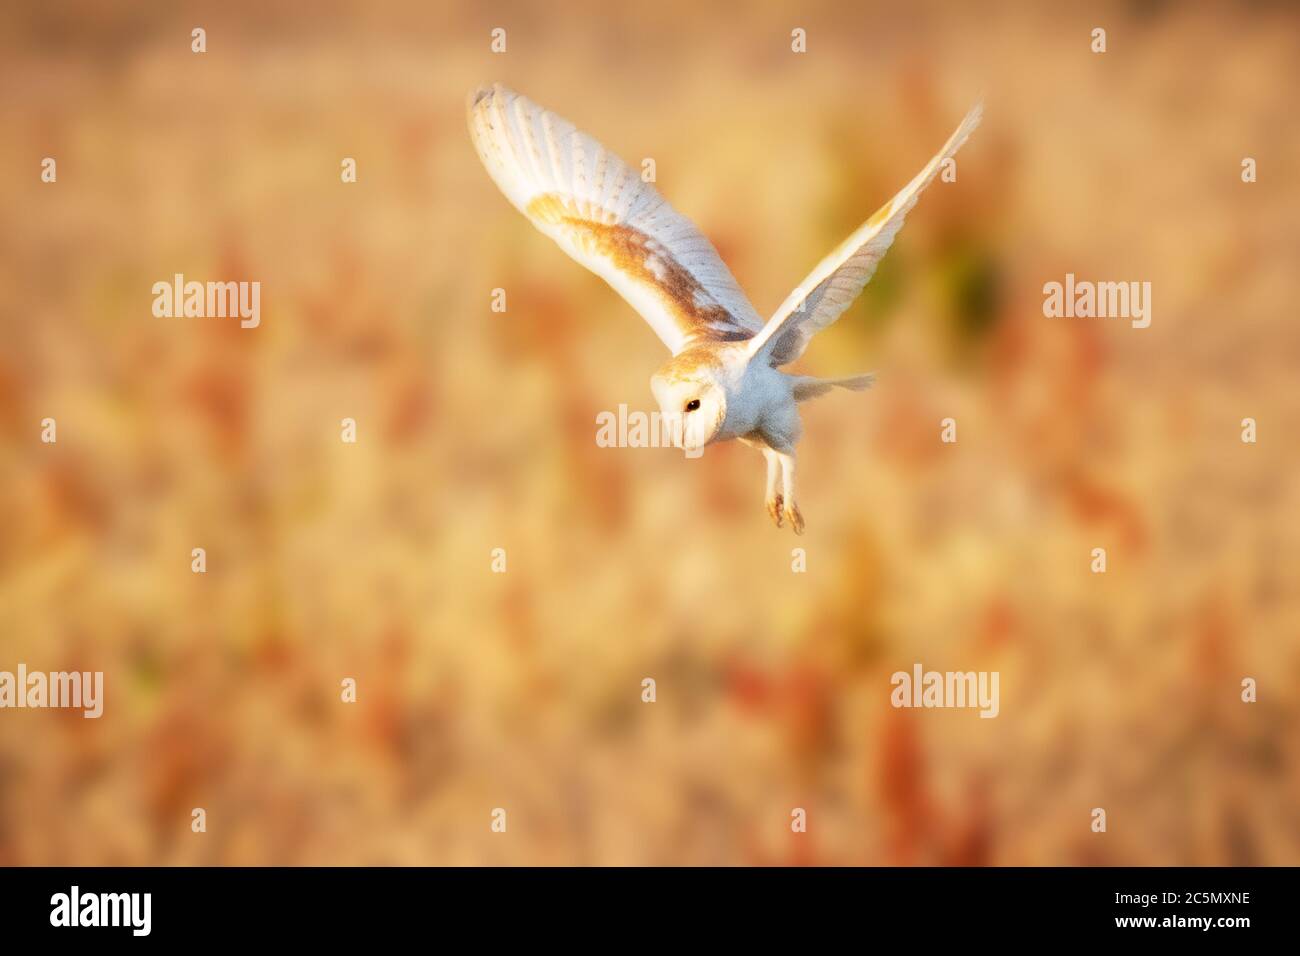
{"x": 841, "y": 276}
{"x": 603, "y": 215}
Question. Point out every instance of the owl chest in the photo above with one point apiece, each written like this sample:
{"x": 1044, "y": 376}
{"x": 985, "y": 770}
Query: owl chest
{"x": 759, "y": 399}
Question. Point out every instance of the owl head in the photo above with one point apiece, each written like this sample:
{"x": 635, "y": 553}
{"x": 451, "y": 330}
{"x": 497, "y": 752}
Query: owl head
{"x": 689, "y": 391}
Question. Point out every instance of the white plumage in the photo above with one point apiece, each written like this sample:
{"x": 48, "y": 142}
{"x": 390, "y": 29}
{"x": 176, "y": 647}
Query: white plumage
{"x": 723, "y": 379}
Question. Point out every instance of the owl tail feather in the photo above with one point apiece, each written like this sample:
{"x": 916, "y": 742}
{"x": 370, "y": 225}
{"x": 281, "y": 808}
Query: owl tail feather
{"x": 806, "y": 387}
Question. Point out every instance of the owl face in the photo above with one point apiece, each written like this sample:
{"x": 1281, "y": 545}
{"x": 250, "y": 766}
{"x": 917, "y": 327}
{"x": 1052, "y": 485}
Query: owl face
{"x": 697, "y": 401}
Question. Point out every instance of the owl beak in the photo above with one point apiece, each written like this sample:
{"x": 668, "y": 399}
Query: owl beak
{"x": 693, "y": 436}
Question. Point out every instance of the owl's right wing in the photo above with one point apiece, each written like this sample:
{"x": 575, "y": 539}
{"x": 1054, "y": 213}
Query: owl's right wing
{"x": 603, "y": 215}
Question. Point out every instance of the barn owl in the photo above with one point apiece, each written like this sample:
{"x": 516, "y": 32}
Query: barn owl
{"x": 723, "y": 380}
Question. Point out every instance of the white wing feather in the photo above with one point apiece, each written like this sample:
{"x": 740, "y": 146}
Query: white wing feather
{"x": 840, "y": 278}
{"x": 603, "y": 215}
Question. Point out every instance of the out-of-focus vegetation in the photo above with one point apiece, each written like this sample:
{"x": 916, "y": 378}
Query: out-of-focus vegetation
{"x": 476, "y": 431}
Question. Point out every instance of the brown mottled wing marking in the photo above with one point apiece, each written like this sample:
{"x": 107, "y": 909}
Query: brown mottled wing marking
{"x": 601, "y": 213}
{"x": 644, "y": 260}
{"x": 840, "y": 277}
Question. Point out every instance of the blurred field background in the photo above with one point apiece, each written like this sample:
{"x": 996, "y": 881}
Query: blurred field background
{"x": 476, "y": 431}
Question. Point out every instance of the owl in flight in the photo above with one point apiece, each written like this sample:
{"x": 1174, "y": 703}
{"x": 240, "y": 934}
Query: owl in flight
{"x": 723, "y": 380}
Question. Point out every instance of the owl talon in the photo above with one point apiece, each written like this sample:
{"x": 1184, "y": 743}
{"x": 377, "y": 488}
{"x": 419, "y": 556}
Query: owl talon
{"x": 796, "y": 519}
{"x": 774, "y": 508}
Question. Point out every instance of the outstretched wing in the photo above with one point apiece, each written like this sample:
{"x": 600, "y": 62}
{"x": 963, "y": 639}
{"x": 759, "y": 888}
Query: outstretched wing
{"x": 603, "y": 215}
{"x": 841, "y": 276}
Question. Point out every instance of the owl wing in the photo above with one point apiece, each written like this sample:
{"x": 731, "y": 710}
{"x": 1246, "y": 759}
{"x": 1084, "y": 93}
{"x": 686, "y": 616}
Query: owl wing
{"x": 603, "y": 215}
{"x": 840, "y": 277}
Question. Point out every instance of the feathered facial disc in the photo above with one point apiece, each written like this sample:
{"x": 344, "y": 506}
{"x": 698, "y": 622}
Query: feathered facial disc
{"x": 693, "y": 402}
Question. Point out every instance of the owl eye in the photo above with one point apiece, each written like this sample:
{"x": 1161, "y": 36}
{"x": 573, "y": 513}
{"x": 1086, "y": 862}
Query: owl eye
{"x": 693, "y": 404}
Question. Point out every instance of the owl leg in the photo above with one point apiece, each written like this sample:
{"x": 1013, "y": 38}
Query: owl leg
{"x": 786, "y": 459}
{"x": 773, "y": 497}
